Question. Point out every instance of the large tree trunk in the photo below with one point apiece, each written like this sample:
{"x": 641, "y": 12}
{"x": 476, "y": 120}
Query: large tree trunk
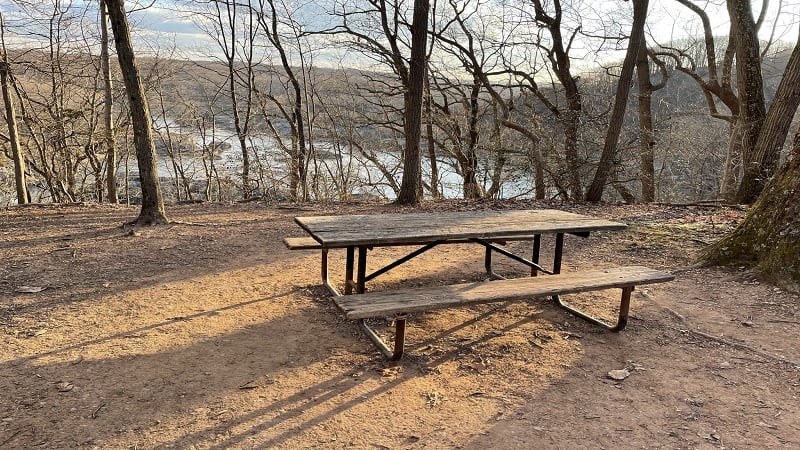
{"x": 595, "y": 192}
{"x": 411, "y": 186}
{"x": 752, "y": 109}
{"x": 16, "y": 151}
{"x": 769, "y": 237}
{"x": 108, "y": 113}
{"x": 152, "y": 211}
{"x": 773, "y": 133}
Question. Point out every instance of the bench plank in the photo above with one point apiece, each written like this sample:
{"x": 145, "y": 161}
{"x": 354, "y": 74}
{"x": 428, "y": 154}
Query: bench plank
{"x": 301, "y": 243}
{"x": 380, "y": 304}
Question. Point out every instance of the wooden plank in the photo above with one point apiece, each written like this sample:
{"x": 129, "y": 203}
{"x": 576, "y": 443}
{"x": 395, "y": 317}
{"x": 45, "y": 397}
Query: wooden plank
{"x": 383, "y": 229}
{"x": 378, "y": 304}
{"x": 301, "y": 243}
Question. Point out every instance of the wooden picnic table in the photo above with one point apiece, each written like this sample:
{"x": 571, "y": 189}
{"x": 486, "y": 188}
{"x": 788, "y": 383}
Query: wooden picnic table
{"x": 489, "y": 229}
{"x": 486, "y": 228}
{"x": 406, "y": 229}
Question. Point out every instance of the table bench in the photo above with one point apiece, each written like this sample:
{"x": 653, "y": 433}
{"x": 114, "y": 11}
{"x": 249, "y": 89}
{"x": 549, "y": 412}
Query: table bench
{"x": 358, "y": 234}
{"x": 399, "y": 303}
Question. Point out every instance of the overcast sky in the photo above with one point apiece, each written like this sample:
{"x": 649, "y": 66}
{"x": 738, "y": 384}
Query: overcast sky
{"x": 167, "y": 25}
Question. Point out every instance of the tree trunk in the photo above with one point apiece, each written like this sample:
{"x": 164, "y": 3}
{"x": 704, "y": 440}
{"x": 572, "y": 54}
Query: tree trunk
{"x": 732, "y": 167}
{"x": 773, "y": 133}
{"x": 152, "y": 211}
{"x": 646, "y": 132}
{"x": 595, "y": 192}
{"x": 769, "y": 237}
{"x": 108, "y": 114}
{"x": 16, "y": 151}
{"x": 434, "y": 184}
{"x": 752, "y": 109}
{"x": 411, "y": 185}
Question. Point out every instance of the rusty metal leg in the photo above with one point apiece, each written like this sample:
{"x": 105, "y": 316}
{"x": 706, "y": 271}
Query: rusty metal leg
{"x": 348, "y": 271}
{"x": 557, "y": 255}
{"x": 624, "y": 307}
{"x": 537, "y": 247}
{"x": 362, "y": 269}
{"x": 399, "y": 338}
{"x": 559, "y": 252}
{"x": 487, "y": 262}
{"x": 325, "y": 279}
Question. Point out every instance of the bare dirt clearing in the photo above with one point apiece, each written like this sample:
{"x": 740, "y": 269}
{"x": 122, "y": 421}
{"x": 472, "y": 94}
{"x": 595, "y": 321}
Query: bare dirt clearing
{"x": 210, "y": 334}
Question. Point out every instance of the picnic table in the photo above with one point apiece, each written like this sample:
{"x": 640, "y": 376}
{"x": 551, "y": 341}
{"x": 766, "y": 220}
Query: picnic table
{"x": 490, "y": 230}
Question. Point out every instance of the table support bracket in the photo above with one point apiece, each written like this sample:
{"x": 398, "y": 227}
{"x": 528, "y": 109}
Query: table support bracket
{"x": 491, "y": 247}
{"x": 399, "y": 337}
{"x": 402, "y": 260}
{"x": 624, "y": 307}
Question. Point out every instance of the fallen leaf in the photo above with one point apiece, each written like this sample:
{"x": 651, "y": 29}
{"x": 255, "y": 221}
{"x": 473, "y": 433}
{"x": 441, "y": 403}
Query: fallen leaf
{"x": 433, "y": 399}
{"x": 29, "y": 289}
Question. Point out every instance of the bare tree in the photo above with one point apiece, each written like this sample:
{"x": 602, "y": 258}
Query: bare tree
{"x": 752, "y": 107}
{"x": 411, "y": 187}
{"x": 604, "y": 167}
{"x": 108, "y": 113}
{"x": 269, "y": 19}
{"x": 152, "y": 211}
{"x": 645, "y": 111}
{"x": 13, "y": 135}
{"x": 481, "y": 58}
{"x": 232, "y": 26}
{"x": 380, "y": 29}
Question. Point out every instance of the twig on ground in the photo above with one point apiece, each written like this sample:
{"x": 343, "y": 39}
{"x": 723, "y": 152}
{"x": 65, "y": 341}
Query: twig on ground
{"x": 97, "y": 411}
{"x": 689, "y": 328}
{"x": 10, "y": 438}
{"x": 783, "y": 321}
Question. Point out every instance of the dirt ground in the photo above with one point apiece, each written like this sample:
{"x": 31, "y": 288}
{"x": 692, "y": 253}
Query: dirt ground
{"x": 208, "y": 333}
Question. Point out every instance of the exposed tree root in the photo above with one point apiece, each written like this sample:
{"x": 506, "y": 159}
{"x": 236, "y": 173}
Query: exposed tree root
{"x": 688, "y": 327}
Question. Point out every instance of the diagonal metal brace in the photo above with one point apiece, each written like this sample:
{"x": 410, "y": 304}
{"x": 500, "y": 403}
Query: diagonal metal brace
{"x": 513, "y": 256}
{"x": 402, "y": 260}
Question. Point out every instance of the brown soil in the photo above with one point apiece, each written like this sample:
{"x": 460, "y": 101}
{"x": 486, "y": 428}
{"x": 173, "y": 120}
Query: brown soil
{"x": 208, "y": 333}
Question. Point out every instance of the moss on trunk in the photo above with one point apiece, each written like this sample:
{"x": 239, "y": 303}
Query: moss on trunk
{"x": 769, "y": 237}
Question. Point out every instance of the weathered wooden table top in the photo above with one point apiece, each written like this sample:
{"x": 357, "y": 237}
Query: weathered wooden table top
{"x": 394, "y": 229}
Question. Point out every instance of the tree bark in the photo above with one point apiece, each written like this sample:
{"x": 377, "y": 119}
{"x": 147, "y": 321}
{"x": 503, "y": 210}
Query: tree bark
{"x": 152, "y": 211}
{"x": 595, "y": 192}
{"x": 769, "y": 237}
{"x": 773, "y": 133}
{"x": 560, "y": 63}
{"x": 16, "y": 151}
{"x": 411, "y": 185}
{"x": 646, "y": 131}
{"x": 434, "y": 184}
{"x": 108, "y": 114}
{"x": 752, "y": 109}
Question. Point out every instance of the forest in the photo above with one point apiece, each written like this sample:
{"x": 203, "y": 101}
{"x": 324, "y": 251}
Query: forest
{"x": 552, "y": 100}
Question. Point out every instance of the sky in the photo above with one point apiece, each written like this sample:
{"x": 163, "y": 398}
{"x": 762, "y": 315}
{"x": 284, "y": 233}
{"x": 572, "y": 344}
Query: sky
{"x": 167, "y": 27}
